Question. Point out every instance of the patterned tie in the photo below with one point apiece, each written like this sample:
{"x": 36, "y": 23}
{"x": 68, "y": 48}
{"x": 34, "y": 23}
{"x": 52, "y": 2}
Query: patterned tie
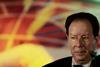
{"x": 77, "y": 66}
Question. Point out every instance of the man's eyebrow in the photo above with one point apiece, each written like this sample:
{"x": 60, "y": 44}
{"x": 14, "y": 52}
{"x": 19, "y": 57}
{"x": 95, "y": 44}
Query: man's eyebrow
{"x": 85, "y": 34}
{"x": 73, "y": 34}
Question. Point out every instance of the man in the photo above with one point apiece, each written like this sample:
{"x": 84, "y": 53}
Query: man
{"x": 82, "y": 30}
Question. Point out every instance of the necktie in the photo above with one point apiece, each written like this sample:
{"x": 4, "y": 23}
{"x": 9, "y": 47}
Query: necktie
{"x": 77, "y": 66}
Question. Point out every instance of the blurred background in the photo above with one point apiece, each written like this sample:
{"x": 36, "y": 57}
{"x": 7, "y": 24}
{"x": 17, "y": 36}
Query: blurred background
{"x": 40, "y": 22}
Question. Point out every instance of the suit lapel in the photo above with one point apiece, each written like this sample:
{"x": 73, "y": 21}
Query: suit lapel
{"x": 68, "y": 62}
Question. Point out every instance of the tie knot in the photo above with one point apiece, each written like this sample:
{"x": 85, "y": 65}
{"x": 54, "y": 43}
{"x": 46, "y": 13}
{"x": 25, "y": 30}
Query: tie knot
{"x": 77, "y": 66}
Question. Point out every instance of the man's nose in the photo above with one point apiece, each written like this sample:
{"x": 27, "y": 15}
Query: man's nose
{"x": 80, "y": 42}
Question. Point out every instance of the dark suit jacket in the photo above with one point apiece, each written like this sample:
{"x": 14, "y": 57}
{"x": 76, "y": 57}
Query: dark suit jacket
{"x": 67, "y": 62}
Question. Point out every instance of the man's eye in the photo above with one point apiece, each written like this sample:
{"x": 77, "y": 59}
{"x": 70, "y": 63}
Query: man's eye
{"x": 73, "y": 37}
{"x": 84, "y": 37}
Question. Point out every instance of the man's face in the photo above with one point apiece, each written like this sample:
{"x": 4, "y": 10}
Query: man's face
{"x": 80, "y": 38}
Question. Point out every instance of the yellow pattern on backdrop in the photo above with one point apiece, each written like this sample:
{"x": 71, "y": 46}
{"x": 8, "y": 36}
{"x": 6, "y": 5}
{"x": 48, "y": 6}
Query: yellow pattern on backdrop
{"x": 29, "y": 55}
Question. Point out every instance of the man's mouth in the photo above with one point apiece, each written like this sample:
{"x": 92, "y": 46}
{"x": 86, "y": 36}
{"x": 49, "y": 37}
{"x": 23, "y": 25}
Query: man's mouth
{"x": 80, "y": 52}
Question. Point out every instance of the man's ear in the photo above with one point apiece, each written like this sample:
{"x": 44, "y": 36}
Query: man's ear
{"x": 66, "y": 36}
{"x": 97, "y": 38}
{"x": 97, "y": 41}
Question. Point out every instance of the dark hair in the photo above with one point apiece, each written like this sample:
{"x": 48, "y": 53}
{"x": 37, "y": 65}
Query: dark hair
{"x": 86, "y": 16}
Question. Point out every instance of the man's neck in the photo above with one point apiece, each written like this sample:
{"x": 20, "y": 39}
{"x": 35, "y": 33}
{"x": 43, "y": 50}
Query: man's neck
{"x": 85, "y": 65}
{"x": 85, "y": 61}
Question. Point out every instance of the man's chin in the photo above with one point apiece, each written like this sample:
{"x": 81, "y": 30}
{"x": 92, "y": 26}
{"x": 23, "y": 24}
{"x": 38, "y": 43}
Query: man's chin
{"x": 81, "y": 58}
